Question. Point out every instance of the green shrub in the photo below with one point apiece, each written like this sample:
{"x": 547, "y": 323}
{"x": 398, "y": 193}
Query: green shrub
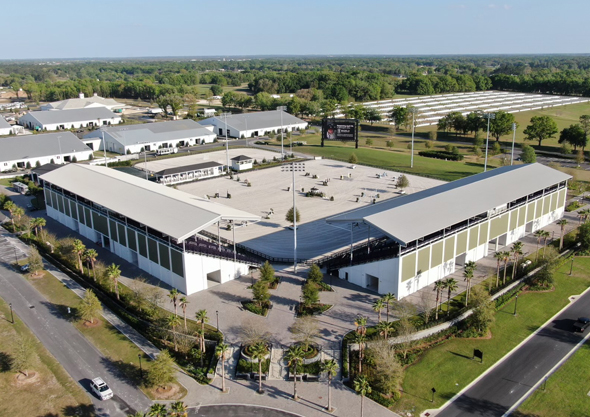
{"x": 442, "y": 155}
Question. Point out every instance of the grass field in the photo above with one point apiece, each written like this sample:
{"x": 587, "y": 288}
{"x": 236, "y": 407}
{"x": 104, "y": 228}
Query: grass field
{"x": 119, "y": 350}
{"x": 449, "y": 367}
{"x": 55, "y": 393}
{"x": 566, "y": 391}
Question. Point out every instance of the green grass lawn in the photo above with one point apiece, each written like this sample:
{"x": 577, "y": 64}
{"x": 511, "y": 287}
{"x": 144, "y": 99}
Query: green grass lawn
{"x": 7, "y": 182}
{"x": 449, "y": 367}
{"x": 566, "y": 391}
{"x": 54, "y": 394}
{"x": 118, "y": 349}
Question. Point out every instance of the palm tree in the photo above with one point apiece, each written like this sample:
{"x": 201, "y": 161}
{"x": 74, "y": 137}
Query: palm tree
{"x": 79, "y": 249}
{"x": 173, "y": 322}
{"x": 539, "y": 235}
{"x": 361, "y": 324}
{"x": 184, "y": 304}
{"x": 38, "y": 224}
{"x": 361, "y": 385}
{"x": 385, "y": 327}
{"x": 294, "y": 355}
{"x": 377, "y": 307}
{"x": 10, "y": 206}
{"x": 499, "y": 258}
{"x": 202, "y": 318}
{"x": 158, "y": 410}
{"x": 469, "y": 269}
{"x": 439, "y": 286}
{"x": 360, "y": 339}
{"x": 388, "y": 299}
{"x": 178, "y": 409}
{"x": 331, "y": 368}
{"x": 173, "y": 295}
{"x": 221, "y": 350}
{"x": 450, "y": 284}
{"x": 546, "y": 235}
{"x": 113, "y": 272}
{"x": 562, "y": 223}
{"x": 258, "y": 352}
{"x": 516, "y": 253}
{"x": 505, "y": 258}
{"x": 201, "y": 337}
{"x": 90, "y": 256}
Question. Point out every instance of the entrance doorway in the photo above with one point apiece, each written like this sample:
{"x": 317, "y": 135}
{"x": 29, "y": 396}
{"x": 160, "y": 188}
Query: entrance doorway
{"x": 372, "y": 283}
{"x": 213, "y": 278}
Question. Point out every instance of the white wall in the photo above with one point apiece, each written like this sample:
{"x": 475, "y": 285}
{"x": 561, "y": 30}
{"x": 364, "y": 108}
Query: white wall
{"x": 31, "y": 123}
{"x": 57, "y": 159}
{"x": 386, "y": 270}
{"x": 196, "y": 268}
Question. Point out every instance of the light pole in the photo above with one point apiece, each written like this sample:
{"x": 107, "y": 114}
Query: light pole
{"x": 104, "y": 148}
{"x": 573, "y": 256}
{"x": 217, "y": 314}
{"x": 140, "y": 369}
{"x": 144, "y": 158}
{"x": 11, "y": 313}
{"x": 515, "y": 304}
{"x": 413, "y": 110}
{"x": 59, "y": 145}
{"x": 282, "y": 109}
{"x": 300, "y": 167}
{"x": 513, "y": 139}
{"x": 226, "y": 140}
{"x": 489, "y": 116}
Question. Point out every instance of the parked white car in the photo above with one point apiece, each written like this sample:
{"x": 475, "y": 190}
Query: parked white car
{"x": 101, "y": 389}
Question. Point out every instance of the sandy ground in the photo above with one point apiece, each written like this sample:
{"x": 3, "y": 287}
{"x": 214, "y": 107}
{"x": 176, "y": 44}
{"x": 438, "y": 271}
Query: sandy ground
{"x": 269, "y": 191}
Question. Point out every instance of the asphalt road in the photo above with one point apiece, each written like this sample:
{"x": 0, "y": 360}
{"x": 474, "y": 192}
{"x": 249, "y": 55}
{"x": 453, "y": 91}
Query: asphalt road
{"x": 238, "y": 411}
{"x": 75, "y": 353}
{"x": 506, "y": 384}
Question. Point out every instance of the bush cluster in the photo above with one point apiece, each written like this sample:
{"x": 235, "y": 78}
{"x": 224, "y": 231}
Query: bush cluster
{"x": 441, "y": 155}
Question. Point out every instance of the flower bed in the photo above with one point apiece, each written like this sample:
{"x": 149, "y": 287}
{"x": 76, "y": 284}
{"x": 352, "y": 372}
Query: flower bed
{"x": 252, "y": 307}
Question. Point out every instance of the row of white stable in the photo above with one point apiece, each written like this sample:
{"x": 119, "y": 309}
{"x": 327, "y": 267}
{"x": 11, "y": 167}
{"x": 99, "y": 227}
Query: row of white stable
{"x": 432, "y": 108}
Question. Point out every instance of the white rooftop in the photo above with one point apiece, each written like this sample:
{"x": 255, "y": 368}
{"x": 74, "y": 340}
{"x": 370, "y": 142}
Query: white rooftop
{"x": 415, "y": 216}
{"x": 169, "y": 211}
{"x": 83, "y": 102}
{"x": 256, "y": 120}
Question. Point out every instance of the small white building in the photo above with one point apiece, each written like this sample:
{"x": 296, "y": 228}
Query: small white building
{"x": 5, "y": 127}
{"x": 187, "y": 173}
{"x": 208, "y": 112}
{"x": 255, "y": 124}
{"x": 83, "y": 103}
{"x": 20, "y": 152}
{"x": 242, "y": 163}
{"x": 150, "y": 136}
{"x": 69, "y": 119}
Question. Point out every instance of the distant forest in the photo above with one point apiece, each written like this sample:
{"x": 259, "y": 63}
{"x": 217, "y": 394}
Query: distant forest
{"x": 315, "y": 79}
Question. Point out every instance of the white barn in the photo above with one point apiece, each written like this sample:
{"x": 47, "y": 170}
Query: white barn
{"x": 35, "y": 150}
{"x": 150, "y": 225}
{"x": 255, "y": 124}
{"x": 69, "y": 119}
{"x": 429, "y": 233}
{"x": 150, "y": 136}
{"x": 83, "y": 103}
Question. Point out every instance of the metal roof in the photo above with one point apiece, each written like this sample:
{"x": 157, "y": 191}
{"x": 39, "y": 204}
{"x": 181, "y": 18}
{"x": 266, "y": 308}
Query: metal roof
{"x": 70, "y": 116}
{"x": 80, "y": 103}
{"x": 241, "y": 158}
{"x": 414, "y": 216}
{"x": 169, "y": 211}
{"x": 187, "y": 168}
{"x": 4, "y": 124}
{"x": 23, "y": 147}
{"x": 257, "y": 120}
{"x": 153, "y": 132}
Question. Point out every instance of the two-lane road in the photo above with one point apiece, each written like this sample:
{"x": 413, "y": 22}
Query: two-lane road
{"x": 506, "y": 384}
{"x": 73, "y": 351}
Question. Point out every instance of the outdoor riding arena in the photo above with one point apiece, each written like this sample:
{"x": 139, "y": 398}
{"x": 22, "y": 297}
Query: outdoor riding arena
{"x": 270, "y": 196}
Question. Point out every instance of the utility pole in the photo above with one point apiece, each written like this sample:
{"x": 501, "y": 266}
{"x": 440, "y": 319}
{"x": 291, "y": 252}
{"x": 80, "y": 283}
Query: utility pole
{"x": 300, "y": 167}
{"x": 513, "y": 139}
{"x": 282, "y": 109}
{"x": 226, "y": 140}
{"x": 104, "y": 147}
{"x": 489, "y": 116}
{"x": 413, "y": 110}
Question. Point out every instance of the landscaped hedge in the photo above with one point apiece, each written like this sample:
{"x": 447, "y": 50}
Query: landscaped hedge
{"x": 442, "y": 155}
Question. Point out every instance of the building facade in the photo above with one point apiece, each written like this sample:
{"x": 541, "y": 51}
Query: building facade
{"x": 69, "y": 119}
{"x": 419, "y": 251}
{"x": 154, "y": 227}
{"x": 248, "y": 125}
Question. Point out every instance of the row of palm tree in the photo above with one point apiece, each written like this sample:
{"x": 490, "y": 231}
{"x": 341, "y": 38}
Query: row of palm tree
{"x": 468, "y": 273}
{"x": 386, "y": 301}
{"x": 177, "y": 409}
{"x": 449, "y": 284}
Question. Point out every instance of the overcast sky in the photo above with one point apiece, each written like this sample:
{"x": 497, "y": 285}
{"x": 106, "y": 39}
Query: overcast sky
{"x": 142, "y": 28}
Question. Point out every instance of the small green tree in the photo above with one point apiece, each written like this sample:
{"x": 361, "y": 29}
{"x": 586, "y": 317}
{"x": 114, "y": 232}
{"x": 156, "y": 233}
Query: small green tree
{"x": 289, "y": 216}
{"x": 584, "y": 236}
{"x": 315, "y": 274}
{"x": 79, "y": 248}
{"x": 35, "y": 262}
{"x": 403, "y": 182}
{"x": 89, "y": 308}
{"x": 311, "y": 295}
{"x": 23, "y": 356}
{"x": 114, "y": 273}
{"x": 389, "y": 144}
{"x": 267, "y": 272}
{"x": 353, "y": 159}
{"x": 483, "y": 310}
{"x": 162, "y": 370}
{"x": 528, "y": 155}
{"x": 541, "y": 128}
{"x": 369, "y": 142}
{"x": 260, "y": 293}
{"x": 433, "y": 135}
